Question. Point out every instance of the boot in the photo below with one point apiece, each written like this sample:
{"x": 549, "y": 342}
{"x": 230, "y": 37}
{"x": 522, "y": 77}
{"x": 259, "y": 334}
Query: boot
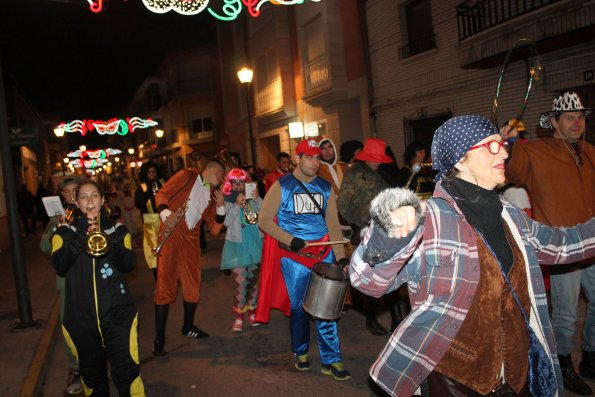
{"x": 375, "y": 327}
{"x": 587, "y": 365}
{"x": 160, "y": 323}
{"x": 395, "y": 317}
{"x": 571, "y": 380}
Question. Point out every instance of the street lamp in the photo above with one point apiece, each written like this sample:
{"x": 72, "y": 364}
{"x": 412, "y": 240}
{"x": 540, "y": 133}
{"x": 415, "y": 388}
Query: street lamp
{"x": 59, "y": 132}
{"x": 159, "y": 133}
{"x": 245, "y": 75}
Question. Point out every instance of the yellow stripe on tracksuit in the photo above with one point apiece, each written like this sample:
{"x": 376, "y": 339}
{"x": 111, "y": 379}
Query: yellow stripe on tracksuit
{"x": 97, "y": 304}
{"x": 75, "y": 354}
{"x": 137, "y": 388}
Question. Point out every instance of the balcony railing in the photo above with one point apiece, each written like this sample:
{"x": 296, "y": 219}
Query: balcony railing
{"x": 417, "y": 46}
{"x": 317, "y": 74}
{"x": 270, "y": 97}
{"x": 475, "y": 16}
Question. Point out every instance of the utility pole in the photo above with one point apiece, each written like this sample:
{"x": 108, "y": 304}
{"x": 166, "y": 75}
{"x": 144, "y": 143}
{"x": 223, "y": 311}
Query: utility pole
{"x": 20, "y": 271}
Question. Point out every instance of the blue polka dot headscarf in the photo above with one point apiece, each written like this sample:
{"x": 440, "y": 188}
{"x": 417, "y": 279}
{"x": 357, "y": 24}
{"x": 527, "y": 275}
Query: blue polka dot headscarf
{"x": 454, "y": 138}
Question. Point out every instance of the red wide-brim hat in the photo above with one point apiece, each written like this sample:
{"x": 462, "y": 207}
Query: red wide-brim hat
{"x": 374, "y": 152}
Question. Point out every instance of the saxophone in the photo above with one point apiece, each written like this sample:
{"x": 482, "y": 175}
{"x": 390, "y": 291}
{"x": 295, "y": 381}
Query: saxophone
{"x": 177, "y": 217}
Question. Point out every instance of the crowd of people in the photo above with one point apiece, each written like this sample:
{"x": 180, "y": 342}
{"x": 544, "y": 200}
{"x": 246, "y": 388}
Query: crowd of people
{"x": 456, "y": 265}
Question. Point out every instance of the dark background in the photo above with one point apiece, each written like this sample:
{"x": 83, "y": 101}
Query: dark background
{"x": 80, "y": 65}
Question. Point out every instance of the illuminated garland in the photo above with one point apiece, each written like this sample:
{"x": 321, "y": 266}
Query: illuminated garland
{"x": 184, "y": 7}
{"x": 94, "y": 154}
{"x": 110, "y": 127}
{"x": 96, "y": 6}
{"x": 88, "y": 164}
{"x": 230, "y": 8}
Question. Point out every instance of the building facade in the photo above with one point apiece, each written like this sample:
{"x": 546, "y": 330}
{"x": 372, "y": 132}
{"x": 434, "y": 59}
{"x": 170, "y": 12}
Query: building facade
{"x": 431, "y": 60}
{"x": 184, "y": 97}
{"x": 309, "y": 67}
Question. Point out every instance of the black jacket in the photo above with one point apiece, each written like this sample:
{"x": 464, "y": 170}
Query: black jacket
{"x": 94, "y": 282}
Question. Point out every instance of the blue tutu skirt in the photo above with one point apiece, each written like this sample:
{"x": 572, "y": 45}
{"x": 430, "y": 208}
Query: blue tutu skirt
{"x": 243, "y": 254}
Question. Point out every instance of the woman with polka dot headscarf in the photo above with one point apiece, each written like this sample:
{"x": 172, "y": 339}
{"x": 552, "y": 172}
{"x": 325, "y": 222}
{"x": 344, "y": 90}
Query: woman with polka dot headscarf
{"x": 479, "y": 322}
{"x": 100, "y": 319}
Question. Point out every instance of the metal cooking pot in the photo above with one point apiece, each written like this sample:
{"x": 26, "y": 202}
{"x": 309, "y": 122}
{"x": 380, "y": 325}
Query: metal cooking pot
{"x": 326, "y": 291}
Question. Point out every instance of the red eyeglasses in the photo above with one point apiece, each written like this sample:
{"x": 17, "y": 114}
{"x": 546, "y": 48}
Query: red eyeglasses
{"x": 493, "y": 146}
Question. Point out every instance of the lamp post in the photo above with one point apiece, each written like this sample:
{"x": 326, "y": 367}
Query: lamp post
{"x": 59, "y": 132}
{"x": 245, "y": 75}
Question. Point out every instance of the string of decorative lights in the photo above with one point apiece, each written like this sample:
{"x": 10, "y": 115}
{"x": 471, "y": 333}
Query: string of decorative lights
{"x": 110, "y": 127}
{"x": 88, "y": 164}
{"x": 96, "y": 6}
{"x": 230, "y": 9}
{"x": 94, "y": 154}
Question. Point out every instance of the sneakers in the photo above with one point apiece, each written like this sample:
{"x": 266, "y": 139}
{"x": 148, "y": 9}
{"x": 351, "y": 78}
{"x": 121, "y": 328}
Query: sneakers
{"x": 302, "y": 362}
{"x": 159, "y": 348}
{"x": 238, "y": 323}
{"x": 194, "y": 332}
{"x": 76, "y": 385}
{"x": 252, "y": 318}
{"x": 336, "y": 370}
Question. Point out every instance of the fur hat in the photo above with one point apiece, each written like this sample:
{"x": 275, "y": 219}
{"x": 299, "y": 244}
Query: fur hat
{"x": 567, "y": 102}
{"x": 374, "y": 151}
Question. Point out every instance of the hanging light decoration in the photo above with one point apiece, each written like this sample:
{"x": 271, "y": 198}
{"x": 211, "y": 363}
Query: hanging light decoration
{"x": 110, "y": 127}
{"x": 94, "y": 154}
{"x": 227, "y": 11}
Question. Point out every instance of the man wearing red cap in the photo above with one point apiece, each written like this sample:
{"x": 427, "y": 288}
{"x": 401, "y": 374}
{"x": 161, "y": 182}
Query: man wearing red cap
{"x": 361, "y": 184}
{"x": 300, "y": 208}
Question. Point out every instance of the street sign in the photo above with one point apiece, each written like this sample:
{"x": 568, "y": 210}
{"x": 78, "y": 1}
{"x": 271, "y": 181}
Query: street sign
{"x": 25, "y": 135}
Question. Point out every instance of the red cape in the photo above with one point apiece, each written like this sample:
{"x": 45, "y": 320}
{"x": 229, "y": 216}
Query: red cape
{"x": 272, "y": 292}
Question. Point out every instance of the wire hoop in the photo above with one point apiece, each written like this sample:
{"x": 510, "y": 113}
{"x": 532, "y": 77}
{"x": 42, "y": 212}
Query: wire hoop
{"x": 533, "y": 75}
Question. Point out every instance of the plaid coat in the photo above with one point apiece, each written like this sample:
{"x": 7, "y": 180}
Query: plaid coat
{"x": 441, "y": 267}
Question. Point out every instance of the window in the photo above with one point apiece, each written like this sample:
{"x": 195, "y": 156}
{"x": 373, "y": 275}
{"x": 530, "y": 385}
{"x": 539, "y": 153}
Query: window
{"x": 153, "y": 97}
{"x": 267, "y": 69}
{"x": 314, "y": 39}
{"x": 201, "y": 128}
{"x": 421, "y": 129}
{"x": 420, "y": 30}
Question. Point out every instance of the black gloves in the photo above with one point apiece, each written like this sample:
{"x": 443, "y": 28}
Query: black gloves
{"x": 297, "y": 244}
{"x": 344, "y": 263}
{"x": 381, "y": 247}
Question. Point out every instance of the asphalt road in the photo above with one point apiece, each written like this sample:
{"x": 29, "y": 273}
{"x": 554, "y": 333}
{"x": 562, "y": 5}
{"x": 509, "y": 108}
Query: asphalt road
{"x": 256, "y": 362}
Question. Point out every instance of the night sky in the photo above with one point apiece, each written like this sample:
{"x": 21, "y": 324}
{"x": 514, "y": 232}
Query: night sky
{"x": 80, "y": 65}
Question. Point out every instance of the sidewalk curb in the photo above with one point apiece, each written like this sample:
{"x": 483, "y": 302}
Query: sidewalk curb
{"x": 32, "y": 382}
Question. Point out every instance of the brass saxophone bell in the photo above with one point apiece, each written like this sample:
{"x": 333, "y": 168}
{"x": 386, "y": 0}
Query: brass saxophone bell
{"x": 97, "y": 243}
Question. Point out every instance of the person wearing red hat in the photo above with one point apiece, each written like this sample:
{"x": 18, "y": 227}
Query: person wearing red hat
{"x": 361, "y": 184}
{"x": 300, "y": 208}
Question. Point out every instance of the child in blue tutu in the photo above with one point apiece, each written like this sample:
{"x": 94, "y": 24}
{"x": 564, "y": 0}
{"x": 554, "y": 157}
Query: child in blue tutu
{"x": 243, "y": 244}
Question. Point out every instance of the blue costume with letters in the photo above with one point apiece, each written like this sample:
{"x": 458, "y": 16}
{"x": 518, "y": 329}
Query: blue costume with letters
{"x": 298, "y": 216}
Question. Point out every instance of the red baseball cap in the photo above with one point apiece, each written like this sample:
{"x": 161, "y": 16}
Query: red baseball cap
{"x": 309, "y": 147}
